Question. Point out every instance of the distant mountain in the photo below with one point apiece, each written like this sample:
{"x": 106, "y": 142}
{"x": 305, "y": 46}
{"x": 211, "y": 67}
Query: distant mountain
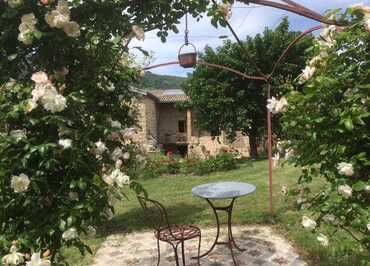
{"x": 152, "y": 81}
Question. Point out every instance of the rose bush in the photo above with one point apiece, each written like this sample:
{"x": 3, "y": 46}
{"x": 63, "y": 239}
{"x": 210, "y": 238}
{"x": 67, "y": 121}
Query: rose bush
{"x": 66, "y": 111}
{"x": 327, "y": 125}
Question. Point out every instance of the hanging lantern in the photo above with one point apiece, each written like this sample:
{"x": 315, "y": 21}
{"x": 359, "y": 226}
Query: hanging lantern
{"x": 188, "y": 59}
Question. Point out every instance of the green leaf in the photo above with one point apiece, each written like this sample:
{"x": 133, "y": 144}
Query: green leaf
{"x": 358, "y": 186}
{"x": 348, "y": 124}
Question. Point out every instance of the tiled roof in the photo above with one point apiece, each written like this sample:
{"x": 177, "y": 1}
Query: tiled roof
{"x": 169, "y": 96}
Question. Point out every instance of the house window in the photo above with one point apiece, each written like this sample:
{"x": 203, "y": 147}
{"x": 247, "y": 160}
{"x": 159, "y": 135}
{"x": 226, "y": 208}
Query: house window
{"x": 182, "y": 126}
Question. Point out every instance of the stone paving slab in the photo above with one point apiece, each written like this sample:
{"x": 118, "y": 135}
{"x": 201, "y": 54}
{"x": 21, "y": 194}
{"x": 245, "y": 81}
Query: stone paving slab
{"x": 264, "y": 247}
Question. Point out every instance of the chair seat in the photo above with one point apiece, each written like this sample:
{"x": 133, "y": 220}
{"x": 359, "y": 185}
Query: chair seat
{"x": 177, "y": 232}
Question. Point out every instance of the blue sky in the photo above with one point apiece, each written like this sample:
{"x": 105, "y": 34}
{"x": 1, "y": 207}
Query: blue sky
{"x": 246, "y": 20}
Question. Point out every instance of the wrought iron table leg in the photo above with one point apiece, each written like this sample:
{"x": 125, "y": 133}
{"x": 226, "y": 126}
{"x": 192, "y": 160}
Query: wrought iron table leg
{"x": 217, "y": 235}
{"x": 183, "y": 253}
{"x": 230, "y": 237}
{"x": 230, "y": 230}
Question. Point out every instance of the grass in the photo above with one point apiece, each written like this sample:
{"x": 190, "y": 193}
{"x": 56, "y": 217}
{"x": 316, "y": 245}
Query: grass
{"x": 174, "y": 192}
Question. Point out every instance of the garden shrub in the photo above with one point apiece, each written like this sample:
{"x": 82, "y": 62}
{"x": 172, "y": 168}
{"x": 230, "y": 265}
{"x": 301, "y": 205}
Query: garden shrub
{"x": 327, "y": 126}
{"x": 66, "y": 111}
{"x": 224, "y": 161}
{"x": 159, "y": 165}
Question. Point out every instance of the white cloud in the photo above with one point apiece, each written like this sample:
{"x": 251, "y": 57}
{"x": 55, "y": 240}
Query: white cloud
{"x": 245, "y": 22}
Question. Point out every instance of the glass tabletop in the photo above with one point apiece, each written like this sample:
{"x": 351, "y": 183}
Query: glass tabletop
{"x": 223, "y": 190}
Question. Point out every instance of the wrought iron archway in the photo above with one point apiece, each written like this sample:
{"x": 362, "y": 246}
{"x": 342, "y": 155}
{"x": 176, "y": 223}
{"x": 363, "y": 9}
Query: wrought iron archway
{"x": 290, "y": 6}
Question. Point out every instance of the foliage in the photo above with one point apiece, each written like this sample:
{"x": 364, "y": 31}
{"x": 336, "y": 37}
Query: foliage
{"x": 159, "y": 165}
{"x": 59, "y": 147}
{"x": 152, "y": 81}
{"x": 225, "y": 101}
{"x": 327, "y": 125}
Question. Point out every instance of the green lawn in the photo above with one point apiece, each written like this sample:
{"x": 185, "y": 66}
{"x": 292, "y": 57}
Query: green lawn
{"x": 175, "y": 193}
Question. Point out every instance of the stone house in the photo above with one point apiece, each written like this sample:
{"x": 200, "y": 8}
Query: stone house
{"x": 162, "y": 125}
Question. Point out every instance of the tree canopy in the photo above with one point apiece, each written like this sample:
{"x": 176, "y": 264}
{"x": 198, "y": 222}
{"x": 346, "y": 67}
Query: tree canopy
{"x": 225, "y": 101}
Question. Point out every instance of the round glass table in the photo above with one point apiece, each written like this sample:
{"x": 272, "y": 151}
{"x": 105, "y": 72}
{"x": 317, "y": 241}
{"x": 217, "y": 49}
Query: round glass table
{"x": 221, "y": 191}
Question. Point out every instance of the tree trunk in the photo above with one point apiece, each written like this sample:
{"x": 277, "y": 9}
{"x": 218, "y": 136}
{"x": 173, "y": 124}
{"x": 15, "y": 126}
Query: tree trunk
{"x": 253, "y": 146}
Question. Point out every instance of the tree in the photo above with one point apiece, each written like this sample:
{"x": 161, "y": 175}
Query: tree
{"x": 66, "y": 113}
{"x": 225, "y": 101}
{"x": 327, "y": 129}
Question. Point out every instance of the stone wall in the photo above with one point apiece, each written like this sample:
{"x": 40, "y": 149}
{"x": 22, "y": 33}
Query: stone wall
{"x": 159, "y": 125}
{"x": 205, "y": 145}
{"x": 169, "y": 117}
{"x": 148, "y": 121}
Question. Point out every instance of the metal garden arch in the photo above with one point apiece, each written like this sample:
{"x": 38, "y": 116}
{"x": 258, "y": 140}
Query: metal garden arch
{"x": 287, "y": 5}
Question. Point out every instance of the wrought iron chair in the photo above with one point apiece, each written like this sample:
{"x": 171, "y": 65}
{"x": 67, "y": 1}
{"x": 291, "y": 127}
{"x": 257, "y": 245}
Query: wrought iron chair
{"x": 156, "y": 215}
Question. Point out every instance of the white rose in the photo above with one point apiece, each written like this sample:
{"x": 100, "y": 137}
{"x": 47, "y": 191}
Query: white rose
{"x": 368, "y": 226}
{"x": 65, "y": 143}
{"x": 288, "y": 153}
{"x": 57, "y": 19}
{"x": 13, "y": 258}
{"x": 271, "y": 104}
{"x": 37, "y": 261}
{"x": 277, "y": 106}
{"x": 72, "y": 29}
{"x": 116, "y": 154}
{"x": 26, "y": 28}
{"x": 109, "y": 179}
{"x": 126, "y": 156}
{"x": 328, "y": 33}
{"x": 18, "y": 134}
{"x": 345, "y": 169}
{"x": 276, "y": 160}
{"x": 281, "y": 105}
{"x": 326, "y": 44}
{"x": 284, "y": 190}
{"x": 20, "y": 183}
{"x": 38, "y": 93}
{"x": 40, "y": 77}
{"x": 60, "y": 103}
{"x": 345, "y": 191}
{"x": 367, "y": 189}
{"x": 100, "y": 147}
{"x": 29, "y": 19}
{"x": 25, "y": 37}
{"x": 323, "y": 239}
{"x": 15, "y": 3}
{"x": 308, "y": 223}
{"x": 361, "y": 7}
{"x": 307, "y": 73}
{"x": 139, "y": 33}
{"x": 53, "y": 101}
{"x": 70, "y": 234}
{"x": 122, "y": 180}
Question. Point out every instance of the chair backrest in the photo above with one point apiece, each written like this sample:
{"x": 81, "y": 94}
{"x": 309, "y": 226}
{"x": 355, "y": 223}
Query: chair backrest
{"x": 154, "y": 212}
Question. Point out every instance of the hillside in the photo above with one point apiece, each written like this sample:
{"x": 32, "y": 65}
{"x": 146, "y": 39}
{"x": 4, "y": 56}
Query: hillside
{"x": 152, "y": 81}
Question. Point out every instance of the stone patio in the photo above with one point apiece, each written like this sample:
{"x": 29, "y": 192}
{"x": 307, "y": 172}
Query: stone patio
{"x": 263, "y": 247}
